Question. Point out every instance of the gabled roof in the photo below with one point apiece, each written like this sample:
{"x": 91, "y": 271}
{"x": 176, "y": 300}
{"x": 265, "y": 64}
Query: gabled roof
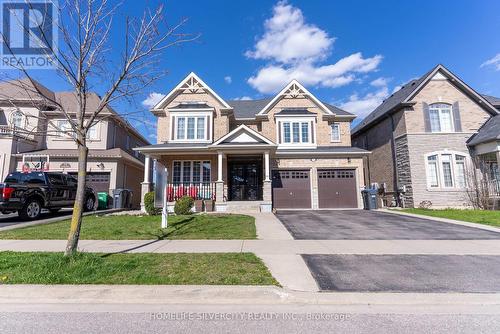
{"x": 243, "y": 135}
{"x": 495, "y": 101}
{"x": 248, "y": 109}
{"x": 193, "y": 83}
{"x": 408, "y": 91}
{"x": 489, "y": 131}
{"x": 25, "y": 89}
{"x": 294, "y": 88}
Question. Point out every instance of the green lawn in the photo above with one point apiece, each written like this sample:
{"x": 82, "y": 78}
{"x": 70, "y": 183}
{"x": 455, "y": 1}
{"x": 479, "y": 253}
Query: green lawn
{"x": 204, "y": 226}
{"x": 94, "y": 268}
{"x": 474, "y": 216}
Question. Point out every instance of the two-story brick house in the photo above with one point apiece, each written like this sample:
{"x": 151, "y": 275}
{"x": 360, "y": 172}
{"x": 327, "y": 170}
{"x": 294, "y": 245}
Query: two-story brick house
{"x": 35, "y": 134}
{"x": 287, "y": 151}
{"x": 423, "y": 139}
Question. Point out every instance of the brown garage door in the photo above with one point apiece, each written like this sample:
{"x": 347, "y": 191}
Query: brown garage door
{"x": 337, "y": 188}
{"x": 291, "y": 189}
{"x": 98, "y": 181}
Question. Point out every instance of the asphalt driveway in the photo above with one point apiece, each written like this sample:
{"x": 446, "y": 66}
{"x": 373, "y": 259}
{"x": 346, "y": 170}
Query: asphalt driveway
{"x": 406, "y": 273}
{"x": 373, "y": 225}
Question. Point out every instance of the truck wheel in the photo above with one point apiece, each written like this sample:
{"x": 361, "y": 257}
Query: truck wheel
{"x": 89, "y": 203}
{"x": 31, "y": 210}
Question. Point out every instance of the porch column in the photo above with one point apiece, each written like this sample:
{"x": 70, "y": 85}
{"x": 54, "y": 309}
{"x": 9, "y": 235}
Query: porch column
{"x": 266, "y": 206}
{"x": 266, "y": 166}
{"x": 498, "y": 158}
{"x": 220, "y": 205}
{"x": 146, "y": 184}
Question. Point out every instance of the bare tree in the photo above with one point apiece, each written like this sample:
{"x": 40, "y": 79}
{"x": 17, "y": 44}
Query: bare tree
{"x": 481, "y": 187}
{"x": 86, "y": 59}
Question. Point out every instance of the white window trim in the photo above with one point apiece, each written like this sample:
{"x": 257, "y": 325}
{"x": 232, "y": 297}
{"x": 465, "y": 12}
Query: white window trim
{"x": 440, "y": 174}
{"x": 331, "y": 133}
{"x": 23, "y": 119}
{"x": 191, "y": 169}
{"x": 98, "y": 131}
{"x": 440, "y": 118}
{"x": 208, "y": 126}
{"x": 311, "y": 121}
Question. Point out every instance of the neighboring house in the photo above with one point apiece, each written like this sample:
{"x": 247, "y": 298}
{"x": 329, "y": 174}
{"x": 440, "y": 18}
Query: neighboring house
{"x": 287, "y": 151}
{"x": 35, "y": 135}
{"x": 424, "y": 136}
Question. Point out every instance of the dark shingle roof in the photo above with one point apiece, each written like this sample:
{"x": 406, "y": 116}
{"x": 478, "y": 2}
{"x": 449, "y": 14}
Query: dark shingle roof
{"x": 495, "y": 101}
{"x": 391, "y": 102}
{"x": 250, "y": 108}
{"x": 247, "y": 108}
{"x": 192, "y": 105}
{"x": 488, "y": 132}
{"x": 295, "y": 111}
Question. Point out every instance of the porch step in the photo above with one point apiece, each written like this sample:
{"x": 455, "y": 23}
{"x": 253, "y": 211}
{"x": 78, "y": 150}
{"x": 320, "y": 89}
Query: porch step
{"x": 243, "y": 206}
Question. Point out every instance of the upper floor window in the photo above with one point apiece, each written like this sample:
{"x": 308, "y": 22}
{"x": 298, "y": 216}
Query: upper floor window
{"x": 446, "y": 170}
{"x": 296, "y": 132}
{"x": 64, "y": 128}
{"x": 191, "y": 128}
{"x": 441, "y": 117}
{"x": 335, "y": 132}
{"x": 93, "y": 132}
{"x": 18, "y": 119}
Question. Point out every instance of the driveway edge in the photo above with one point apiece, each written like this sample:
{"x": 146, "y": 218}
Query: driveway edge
{"x": 443, "y": 220}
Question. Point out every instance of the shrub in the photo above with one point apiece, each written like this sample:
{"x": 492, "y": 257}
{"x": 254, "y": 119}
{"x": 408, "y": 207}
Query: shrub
{"x": 183, "y": 205}
{"x": 149, "y": 204}
{"x": 425, "y": 205}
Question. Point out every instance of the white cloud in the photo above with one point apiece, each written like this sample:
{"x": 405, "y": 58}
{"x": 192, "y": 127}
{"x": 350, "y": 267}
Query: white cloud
{"x": 364, "y": 105}
{"x": 380, "y": 82}
{"x": 294, "y": 49}
{"x": 288, "y": 38}
{"x": 152, "y": 99}
{"x": 228, "y": 79}
{"x": 495, "y": 62}
{"x": 243, "y": 98}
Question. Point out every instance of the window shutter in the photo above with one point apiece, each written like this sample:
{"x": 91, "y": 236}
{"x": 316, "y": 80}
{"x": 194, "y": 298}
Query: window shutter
{"x": 456, "y": 117}
{"x": 172, "y": 128}
{"x": 427, "y": 117}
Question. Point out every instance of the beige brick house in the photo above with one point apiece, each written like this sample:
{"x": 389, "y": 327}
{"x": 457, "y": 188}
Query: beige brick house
{"x": 287, "y": 151}
{"x": 34, "y": 133}
{"x": 424, "y": 137}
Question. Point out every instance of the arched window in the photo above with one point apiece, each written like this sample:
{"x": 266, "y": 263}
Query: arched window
{"x": 441, "y": 117}
{"x": 445, "y": 170}
{"x": 18, "y": 119}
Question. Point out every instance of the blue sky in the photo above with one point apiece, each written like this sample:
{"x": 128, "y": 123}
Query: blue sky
{"x": 349, "y": 53}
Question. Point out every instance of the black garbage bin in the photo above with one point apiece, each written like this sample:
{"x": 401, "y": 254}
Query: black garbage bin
{"x": 370, "y": 199}
{"x": 122, "y": 198}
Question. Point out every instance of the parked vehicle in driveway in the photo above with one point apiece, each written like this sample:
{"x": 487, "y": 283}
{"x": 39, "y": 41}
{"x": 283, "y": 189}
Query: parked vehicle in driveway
{"x": 29, "y": 193}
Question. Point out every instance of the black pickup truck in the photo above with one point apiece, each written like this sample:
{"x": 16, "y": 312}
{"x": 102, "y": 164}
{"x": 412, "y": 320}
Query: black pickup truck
{"x": 29, "y": 193}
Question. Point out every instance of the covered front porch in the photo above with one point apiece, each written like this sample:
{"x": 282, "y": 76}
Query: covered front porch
{"x": 232, "y": 174}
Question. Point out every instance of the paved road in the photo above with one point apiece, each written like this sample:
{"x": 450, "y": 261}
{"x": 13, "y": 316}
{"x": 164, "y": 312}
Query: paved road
{"x": 373, "y": 225}
{"x": 406, "y": 273}
{"x": 142, "y": 318}
{"x": 13, "y": 218}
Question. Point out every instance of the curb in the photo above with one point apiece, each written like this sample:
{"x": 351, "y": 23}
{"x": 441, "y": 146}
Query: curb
{"x": 220, "y": 295}
{"x": 56, "y": 219}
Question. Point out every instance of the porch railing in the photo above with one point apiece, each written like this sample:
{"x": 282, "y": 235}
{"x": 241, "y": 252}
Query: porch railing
{"x": 197, "y": 191}
{"x": 6, "y": 130}
{"x": 495, "y": 187}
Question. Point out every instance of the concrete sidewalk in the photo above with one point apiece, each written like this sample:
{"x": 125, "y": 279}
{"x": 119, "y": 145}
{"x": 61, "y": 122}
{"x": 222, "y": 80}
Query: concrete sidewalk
{"x": 265, "y": 247}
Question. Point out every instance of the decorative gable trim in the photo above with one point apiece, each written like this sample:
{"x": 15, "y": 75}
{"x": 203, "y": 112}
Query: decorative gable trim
{"x": 440, "y": 73}
{"x": 191, "y": 84}
{"x": 294, "y": 90}
{"x": 245, "y": 135}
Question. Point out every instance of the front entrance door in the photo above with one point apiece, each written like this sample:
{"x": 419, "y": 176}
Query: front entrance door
{"x": 245, "y": 180}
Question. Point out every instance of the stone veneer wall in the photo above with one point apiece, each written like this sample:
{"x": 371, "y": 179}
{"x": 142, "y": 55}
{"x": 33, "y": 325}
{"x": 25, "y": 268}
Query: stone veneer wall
{"x": 403, "y": 169}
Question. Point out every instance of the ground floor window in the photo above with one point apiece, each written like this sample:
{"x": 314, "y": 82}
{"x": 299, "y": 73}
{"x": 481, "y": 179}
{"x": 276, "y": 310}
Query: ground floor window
{"x": 191, "y": 171}
{"x": 445, "y": 170}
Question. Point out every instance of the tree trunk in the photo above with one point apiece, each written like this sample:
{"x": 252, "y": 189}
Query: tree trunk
{"x": 76, "y": 219}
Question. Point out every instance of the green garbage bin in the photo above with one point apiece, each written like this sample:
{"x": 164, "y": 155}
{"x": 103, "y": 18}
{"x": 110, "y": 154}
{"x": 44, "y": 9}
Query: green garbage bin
{"x": 102, "y": 201}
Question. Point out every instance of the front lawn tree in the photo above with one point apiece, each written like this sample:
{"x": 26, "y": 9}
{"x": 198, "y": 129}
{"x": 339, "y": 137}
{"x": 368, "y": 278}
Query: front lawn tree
{"x": 92, "y": 56}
